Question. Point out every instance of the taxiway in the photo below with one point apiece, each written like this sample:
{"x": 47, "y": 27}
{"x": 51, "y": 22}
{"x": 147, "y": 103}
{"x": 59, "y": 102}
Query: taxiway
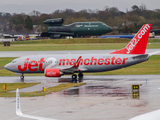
{"x": 26, "y": 53}
{"x": 102, "y": 98}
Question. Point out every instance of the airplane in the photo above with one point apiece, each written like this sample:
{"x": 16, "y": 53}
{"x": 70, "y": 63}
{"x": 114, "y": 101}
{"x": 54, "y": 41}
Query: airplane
{"x": 77, "y": 29}
{"x": 19, "y": 112}
{"x": 59, "y": 65}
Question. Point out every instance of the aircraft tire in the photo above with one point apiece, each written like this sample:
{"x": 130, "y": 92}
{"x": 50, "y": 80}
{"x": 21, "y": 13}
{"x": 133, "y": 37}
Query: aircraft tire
{"x": 22, "y": 77}
{"x": 80, "y": 75}
{"x": 74, "y": 76}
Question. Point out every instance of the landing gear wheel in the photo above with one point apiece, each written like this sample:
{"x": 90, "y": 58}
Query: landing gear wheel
{"x": 22, "y": 77}
{"x": 80, "y": 75}
{"x": 74, "y": 78}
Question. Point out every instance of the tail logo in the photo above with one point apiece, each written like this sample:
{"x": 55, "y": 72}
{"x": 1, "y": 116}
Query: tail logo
{"x": 137, "y": 38}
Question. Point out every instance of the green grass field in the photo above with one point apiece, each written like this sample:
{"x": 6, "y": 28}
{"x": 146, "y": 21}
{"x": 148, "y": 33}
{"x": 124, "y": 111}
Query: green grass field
{"x": 56, "y": 47}
{"x": 72, "y": 44}
{"x": 14, "y": 86}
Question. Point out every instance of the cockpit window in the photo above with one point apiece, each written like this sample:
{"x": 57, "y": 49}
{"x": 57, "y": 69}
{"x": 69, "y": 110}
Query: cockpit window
{"x": 14, "y": 61}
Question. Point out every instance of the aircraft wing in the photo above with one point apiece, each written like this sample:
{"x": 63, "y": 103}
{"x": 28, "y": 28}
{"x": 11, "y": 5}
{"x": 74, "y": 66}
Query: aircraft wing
{"x": 62, "y": 33}
{"x": 73, "y": 68}
{"x": 20, "y": 114}
{"x": 56, "y": 34}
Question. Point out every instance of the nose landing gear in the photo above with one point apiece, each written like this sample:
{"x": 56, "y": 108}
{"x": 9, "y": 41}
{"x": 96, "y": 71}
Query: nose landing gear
{"x": 22, "y": 77}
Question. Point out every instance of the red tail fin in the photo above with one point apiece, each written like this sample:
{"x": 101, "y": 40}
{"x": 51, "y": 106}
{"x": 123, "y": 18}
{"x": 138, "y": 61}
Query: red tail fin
{"x": 138, "y": 44}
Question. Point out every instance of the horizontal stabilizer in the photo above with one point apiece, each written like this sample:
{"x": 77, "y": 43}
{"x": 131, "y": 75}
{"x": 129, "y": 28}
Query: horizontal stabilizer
{"x": 153, "y": 53}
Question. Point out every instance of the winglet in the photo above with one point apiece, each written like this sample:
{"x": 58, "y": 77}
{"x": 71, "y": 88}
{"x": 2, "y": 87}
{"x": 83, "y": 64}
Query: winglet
{"x": 138, "y": 44}
{"x": 19, "y": 112}
{"x": 18, "y": 106}
{"x": 77, "y": 62}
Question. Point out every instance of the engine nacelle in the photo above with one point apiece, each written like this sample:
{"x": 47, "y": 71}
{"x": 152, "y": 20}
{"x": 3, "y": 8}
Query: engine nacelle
{"x": 51, "y": 72}
{"x": 54, "y": 22}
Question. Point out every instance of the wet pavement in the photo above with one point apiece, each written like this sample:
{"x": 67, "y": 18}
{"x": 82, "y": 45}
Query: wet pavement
{"x": 102, "y": 98}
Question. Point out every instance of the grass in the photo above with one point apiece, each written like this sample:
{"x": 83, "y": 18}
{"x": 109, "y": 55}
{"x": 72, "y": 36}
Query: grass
{"x": 78, "y": 41}
{"x": 3, "y": 62}
{"x": 11, "y": 87}
{"x": 152, "y": 66}
{"x": 14, "y": 86}
{"x": 72, "y": 41}
{"x": 73, "y": 44}
{"x": 56, "y": 47}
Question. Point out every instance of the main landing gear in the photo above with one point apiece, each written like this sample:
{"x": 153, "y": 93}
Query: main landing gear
{"x": 74, "y": 77}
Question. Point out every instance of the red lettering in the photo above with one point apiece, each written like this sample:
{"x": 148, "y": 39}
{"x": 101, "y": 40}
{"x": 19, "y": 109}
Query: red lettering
{"x": 93, "y": 60}
{"x": 112, "y": 60}
{"x": 124, "y": 60}
{"x": 73, "y": 61}
{"x": 81, "y": 62}
{"x": 33, "y": 64}
{"x": 25, "y": 66}
{"x": 100, "y": 61}
{"x": 118, "y": 61}
{"x": 64, "y": 61}
{"x": 60, "y": 61}
{"x": 85, "y": 61}
{"x": 107, "y": 61}
{"x": 41, "y": 64}
{"x": 67, "y": 63}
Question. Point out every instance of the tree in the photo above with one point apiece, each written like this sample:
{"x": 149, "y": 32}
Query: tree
{"x": 16, "y": 22}
{"x": 143, "y": 7}
{"x": 28, "y": 23}
{"x": 135, "y": 8}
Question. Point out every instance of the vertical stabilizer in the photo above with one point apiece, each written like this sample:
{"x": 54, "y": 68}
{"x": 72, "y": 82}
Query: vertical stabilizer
{"x": 138, "y": 44}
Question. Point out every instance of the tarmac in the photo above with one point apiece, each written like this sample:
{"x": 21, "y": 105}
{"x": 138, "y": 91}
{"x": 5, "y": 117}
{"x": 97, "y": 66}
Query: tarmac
{"x": 26, "y": 53}
{"x": 103, "y": 98}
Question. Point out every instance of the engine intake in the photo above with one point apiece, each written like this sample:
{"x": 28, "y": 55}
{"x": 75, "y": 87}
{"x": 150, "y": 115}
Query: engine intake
{"x": 51, "y": 72}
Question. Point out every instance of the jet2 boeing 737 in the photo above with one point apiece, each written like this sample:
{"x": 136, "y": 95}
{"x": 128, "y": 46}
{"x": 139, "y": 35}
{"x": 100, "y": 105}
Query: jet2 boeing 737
{"x": 58, "y": 65}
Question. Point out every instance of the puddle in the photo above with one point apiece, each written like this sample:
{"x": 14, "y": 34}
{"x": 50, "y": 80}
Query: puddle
{"x": 104, "y": 91}
{"x": 98, "y": 90}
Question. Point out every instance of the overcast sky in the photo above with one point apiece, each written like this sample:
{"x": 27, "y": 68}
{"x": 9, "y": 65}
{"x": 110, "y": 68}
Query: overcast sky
{"x": 49, "y": 6}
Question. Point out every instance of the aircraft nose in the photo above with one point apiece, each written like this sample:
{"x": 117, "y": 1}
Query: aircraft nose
{"x": 110, "y": 29}
{"x": 6, "y": 66}
{"x": 9, "y": 67}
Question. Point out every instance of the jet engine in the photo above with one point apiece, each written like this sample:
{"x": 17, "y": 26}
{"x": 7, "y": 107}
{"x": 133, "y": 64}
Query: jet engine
{"x": 54, "y": 22}
{"x": 51, "y": 72}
